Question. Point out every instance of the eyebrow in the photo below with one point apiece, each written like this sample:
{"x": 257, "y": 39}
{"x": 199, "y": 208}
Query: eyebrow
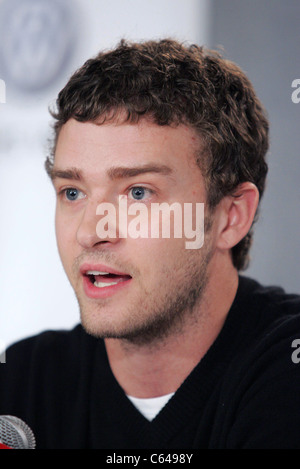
{"x": 117, "y": 172}
{"x": 127, "y": 172}
{"x": 71, "y": 173}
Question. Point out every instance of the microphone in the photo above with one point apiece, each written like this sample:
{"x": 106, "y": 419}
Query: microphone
{"x": 15, "y": 434}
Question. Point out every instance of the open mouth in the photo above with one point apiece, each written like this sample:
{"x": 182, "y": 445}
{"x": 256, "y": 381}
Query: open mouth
{"x": 101, "y": 281}
{"x": 105, "y": 279}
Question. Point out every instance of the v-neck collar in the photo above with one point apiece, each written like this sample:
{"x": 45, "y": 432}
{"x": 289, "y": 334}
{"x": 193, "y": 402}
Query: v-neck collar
{"x": 110, "y": 404}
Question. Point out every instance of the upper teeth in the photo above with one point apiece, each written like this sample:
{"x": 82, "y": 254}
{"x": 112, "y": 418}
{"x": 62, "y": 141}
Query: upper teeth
{"x": 96, "y": 272}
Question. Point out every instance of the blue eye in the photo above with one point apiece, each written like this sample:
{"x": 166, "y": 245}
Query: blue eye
{"x": 73, "y": 194}
{"x": 138, "y": 193}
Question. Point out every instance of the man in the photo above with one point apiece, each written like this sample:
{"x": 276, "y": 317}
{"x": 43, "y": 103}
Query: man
{"x": 175, "y": 349}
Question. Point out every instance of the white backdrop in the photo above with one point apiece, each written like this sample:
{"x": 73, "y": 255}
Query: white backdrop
{"x": 35, "y": 294}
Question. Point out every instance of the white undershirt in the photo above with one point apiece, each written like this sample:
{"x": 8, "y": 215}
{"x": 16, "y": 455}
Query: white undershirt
{"x": 150, "y": 407}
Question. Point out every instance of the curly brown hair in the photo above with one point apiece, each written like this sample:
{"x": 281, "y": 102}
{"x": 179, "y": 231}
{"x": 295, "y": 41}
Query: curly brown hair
{"x": 172, "y": 83}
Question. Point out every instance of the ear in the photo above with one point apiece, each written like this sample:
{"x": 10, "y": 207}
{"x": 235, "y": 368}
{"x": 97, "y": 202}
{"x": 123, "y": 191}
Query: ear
{"x": 237, "y": 215}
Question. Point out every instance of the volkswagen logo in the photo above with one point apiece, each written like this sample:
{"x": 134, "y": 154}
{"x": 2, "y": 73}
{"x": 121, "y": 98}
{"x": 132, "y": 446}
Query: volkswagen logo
{"x": 37, "y": 41}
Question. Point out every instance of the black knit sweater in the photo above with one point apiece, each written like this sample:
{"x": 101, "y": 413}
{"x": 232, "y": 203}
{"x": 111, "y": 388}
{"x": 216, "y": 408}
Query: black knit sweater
{"x": 244, "y": 393}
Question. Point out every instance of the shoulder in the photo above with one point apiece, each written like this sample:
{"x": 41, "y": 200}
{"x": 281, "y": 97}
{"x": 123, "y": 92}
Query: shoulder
{"x": 261, "y": 319}
{"x": 45, "y": 366}
{"x": 265, "y": 342}
{"x": 51, "y": 342}
{"x": 61, "y": 350}
{"x": 270, "y": 307}
{"x": 45, "y": 374}
{"x": 264, "y": 375}
{"x": 269, "y": 321}
{"x": 272, "y": 294}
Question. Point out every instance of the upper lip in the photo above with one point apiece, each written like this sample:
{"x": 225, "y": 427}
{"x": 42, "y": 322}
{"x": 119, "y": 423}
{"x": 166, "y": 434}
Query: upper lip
{"x": 85, "y": 268}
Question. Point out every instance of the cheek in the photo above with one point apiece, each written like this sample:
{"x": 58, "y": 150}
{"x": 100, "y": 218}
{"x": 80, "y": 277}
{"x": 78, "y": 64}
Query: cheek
{"x": 155, "y": 257}
{"x": 64, "y": 237}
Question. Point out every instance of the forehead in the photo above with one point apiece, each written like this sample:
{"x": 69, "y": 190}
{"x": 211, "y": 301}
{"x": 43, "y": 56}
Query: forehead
{"x": 92, "y": 148}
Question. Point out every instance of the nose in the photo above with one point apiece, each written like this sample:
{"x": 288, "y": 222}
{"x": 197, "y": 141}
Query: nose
{"x": 95, "y": 229}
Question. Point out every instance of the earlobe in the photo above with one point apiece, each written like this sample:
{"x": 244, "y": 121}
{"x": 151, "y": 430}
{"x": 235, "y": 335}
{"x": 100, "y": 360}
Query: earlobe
{"x": 238, "y": 215}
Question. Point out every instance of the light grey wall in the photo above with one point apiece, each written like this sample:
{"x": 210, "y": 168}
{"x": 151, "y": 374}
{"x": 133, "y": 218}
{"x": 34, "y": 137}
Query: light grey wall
{"x": 263, "y": 37}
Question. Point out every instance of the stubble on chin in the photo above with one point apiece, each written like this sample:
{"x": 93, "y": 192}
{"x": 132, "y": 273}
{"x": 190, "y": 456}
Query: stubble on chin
{"x": 152, "y": 315}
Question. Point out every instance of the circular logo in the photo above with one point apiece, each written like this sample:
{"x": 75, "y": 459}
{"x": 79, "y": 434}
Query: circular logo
{"x": 37, "y": 40}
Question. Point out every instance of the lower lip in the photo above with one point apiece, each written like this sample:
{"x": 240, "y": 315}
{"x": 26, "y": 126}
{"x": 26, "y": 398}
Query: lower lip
{"x": 104, "y": 292}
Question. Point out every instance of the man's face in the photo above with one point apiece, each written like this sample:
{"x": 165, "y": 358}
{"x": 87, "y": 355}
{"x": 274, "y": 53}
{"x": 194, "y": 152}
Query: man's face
{"x": 135, "y": 288}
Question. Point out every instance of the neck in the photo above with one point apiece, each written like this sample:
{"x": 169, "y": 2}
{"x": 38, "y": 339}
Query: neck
{"x": 160, "y": 368}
